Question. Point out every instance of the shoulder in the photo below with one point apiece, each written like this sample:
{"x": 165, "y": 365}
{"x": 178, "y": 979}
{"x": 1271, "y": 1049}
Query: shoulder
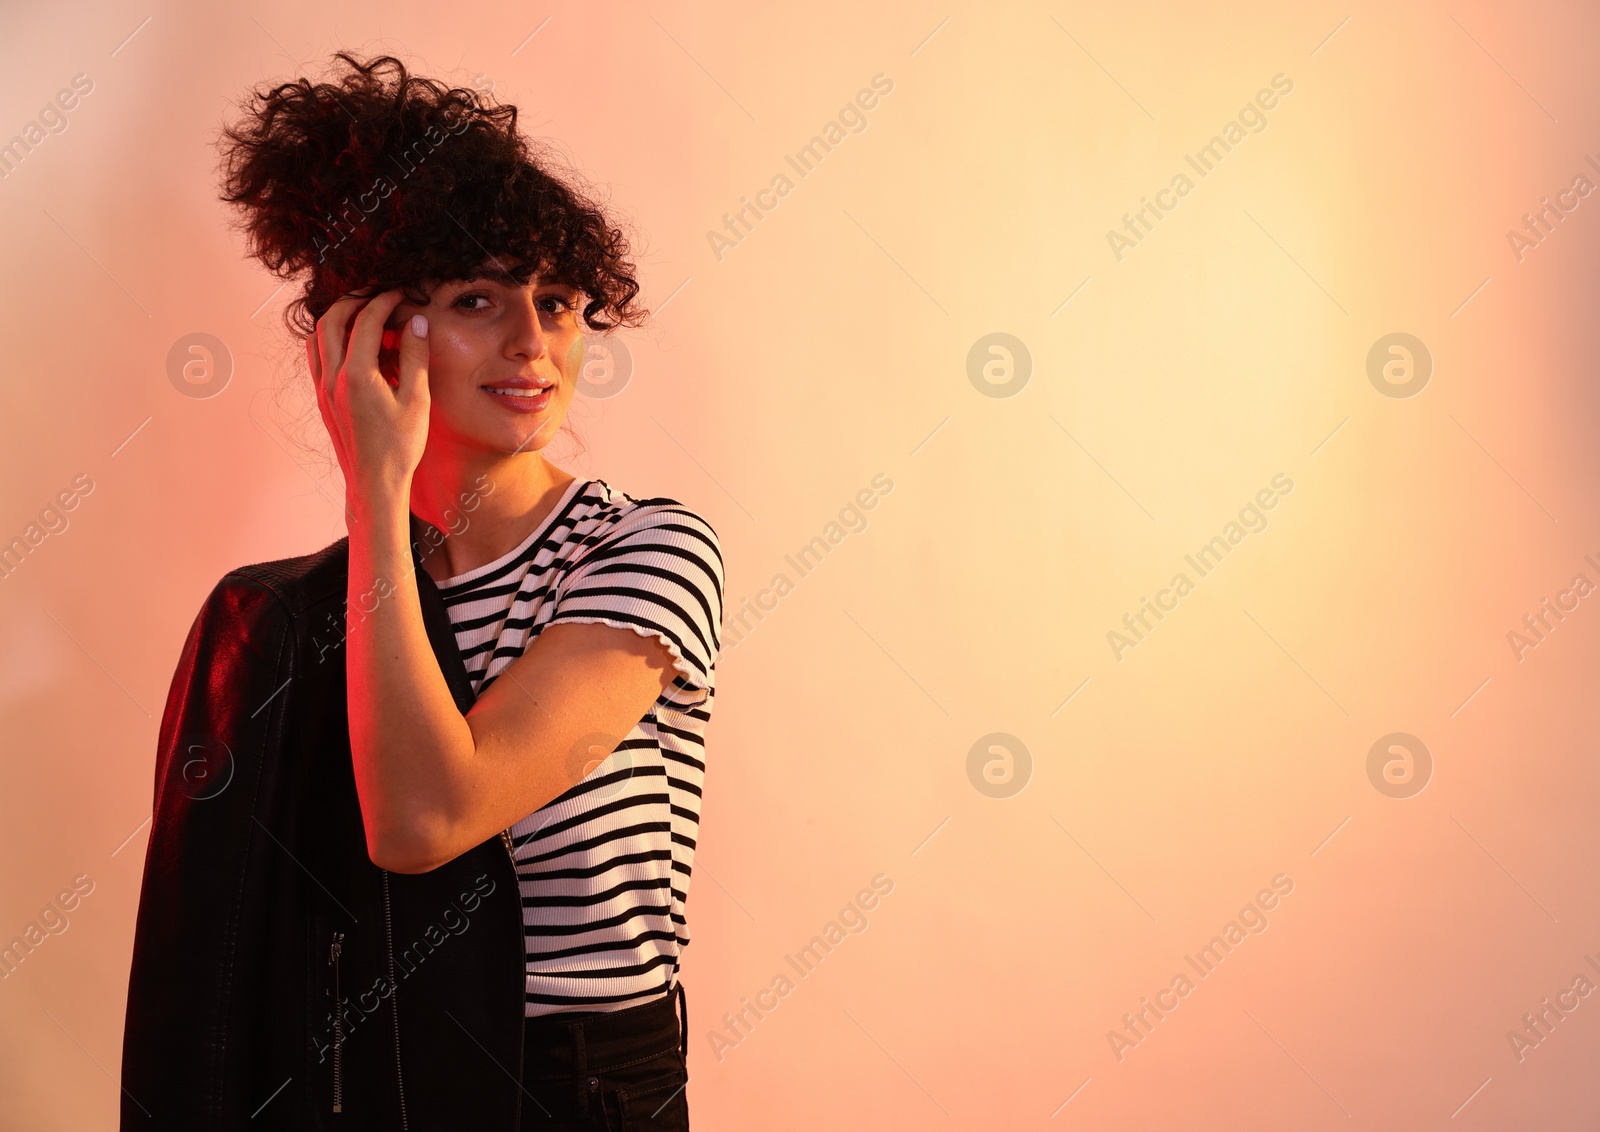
{"x": 649, "y": 549}
{"x": 612, "y": 519}
{"x": 651, "y": 564}
{"x": 293, "y": 586}
{"x": 254, "y": 614}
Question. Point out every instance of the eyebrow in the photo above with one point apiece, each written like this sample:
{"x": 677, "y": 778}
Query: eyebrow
{"x": 501, "y": 275}
{"x": 496, "y": 273}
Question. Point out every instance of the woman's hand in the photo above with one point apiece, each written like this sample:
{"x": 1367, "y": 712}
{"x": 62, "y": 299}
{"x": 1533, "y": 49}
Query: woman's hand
{"x": 378, "y": 430}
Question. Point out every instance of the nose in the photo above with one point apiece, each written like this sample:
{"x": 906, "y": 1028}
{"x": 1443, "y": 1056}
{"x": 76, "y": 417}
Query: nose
{"x": 527, "y": 341}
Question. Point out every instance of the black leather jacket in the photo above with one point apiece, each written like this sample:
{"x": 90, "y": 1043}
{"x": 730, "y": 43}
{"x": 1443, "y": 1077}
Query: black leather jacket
{"x": 261, "y": 909}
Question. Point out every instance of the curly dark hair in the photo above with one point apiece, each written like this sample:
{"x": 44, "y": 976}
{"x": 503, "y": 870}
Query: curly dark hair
{"x": 382, "y": 179}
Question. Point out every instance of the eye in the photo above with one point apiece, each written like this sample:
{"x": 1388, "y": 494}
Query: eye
{"x": 465, "y": 301}
{"x": 559, "y": 303}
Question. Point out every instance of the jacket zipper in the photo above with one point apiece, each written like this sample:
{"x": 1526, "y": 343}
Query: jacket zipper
{"x": 394, "y": 998}
{"x": 394, "y": 990}
{"x": 334, "y": 950}
{"x": 511, "y": 852}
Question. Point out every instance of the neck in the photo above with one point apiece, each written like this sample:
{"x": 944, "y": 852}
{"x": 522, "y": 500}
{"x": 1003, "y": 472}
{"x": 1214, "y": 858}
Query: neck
{"x": 483, "y": 504}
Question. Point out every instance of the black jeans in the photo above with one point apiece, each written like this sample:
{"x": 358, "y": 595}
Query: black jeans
{"x": 618, "y": 1070}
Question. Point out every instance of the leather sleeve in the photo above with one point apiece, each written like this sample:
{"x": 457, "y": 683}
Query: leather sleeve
{"x": 186, "y": 1052}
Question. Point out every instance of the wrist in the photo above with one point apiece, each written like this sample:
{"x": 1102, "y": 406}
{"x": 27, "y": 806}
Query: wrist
{"x": 380, "y": 500}
{"x": 380, "y": 533}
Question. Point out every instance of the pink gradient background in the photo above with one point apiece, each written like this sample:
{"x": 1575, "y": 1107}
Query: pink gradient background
{"x": 830, "y": 346}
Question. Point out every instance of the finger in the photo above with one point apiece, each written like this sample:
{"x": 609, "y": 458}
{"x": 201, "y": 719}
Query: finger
{"x": 413, "y": 366}
{"x": 326, "y": 412}
{"x": 367, "y": 333}
{"x": 332, "y": 331}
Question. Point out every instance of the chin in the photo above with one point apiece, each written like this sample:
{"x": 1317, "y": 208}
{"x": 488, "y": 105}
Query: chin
{"x": 531, "y": 438}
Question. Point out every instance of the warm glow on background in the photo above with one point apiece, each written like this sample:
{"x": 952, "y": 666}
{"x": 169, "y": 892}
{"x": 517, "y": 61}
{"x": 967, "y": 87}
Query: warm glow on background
{"x": 1189, "y": 506}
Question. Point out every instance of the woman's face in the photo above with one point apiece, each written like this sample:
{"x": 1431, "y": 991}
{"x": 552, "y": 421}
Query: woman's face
{"x": 492, "y": 343}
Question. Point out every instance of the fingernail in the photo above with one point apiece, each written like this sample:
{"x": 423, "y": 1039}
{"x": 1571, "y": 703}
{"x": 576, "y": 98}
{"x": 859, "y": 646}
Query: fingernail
{"x": 419, "y": 325}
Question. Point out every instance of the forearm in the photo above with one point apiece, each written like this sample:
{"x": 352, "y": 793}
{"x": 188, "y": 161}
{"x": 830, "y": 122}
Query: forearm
{"x": 408, "y": 740}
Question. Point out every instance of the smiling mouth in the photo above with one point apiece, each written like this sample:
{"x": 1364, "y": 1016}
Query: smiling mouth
{"x": 523, "y": 399}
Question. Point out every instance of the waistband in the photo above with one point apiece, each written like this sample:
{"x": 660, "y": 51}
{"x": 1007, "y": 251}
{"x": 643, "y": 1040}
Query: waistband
{"x": 575, "y": 1044}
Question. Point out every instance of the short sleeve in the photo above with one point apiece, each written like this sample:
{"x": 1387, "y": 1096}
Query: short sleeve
{"x": 657, "y": 571}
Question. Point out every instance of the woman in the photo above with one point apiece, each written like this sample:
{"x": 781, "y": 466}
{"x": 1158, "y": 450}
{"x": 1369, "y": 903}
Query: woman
{"x": 448, "y": 278}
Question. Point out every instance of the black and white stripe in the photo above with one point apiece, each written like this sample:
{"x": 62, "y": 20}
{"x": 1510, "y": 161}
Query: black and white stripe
{"x": 604, "y": 869}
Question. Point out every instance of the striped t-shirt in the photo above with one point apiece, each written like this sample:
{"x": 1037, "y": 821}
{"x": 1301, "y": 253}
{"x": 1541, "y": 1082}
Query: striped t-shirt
{"x": 604, "y": 869}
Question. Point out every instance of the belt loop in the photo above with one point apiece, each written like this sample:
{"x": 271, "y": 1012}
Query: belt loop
{"x": 683, "y": 1008}
{"x": 579, "y": 1078}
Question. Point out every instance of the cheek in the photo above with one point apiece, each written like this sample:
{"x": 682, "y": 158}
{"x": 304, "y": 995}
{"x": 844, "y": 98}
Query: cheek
{"x": 574, "y": 357}
{"x": 453, "y": 356}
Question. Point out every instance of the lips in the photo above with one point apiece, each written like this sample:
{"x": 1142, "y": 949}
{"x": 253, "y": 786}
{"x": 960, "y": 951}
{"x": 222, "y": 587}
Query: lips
{"x": 521, "y": 396}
